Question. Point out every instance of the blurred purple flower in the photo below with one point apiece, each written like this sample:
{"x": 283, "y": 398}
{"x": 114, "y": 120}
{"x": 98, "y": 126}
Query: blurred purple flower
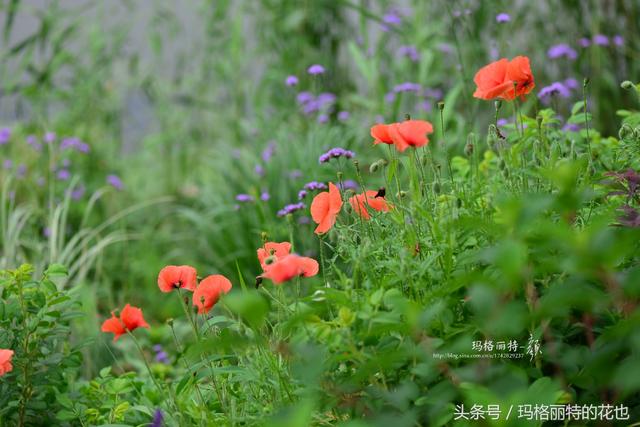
{"x": 601, "y": 40}
{"x": 556, "y": 88}
{"x": 392, "y": 17}
{"x": 291, "y": 80}
{"x": 425, "y": 106}
{"x": 335, "y": 153}
{"x": 323, "y": 118}
{"x": 315, "y": 69}
{"x": 46, "y": 232}
{"x": 49, "y": 137}
{"x": 410, "y": 52}
{"x": 343, "y": 116}
{"x": 348, "y": 184}
{"x": 259, "y": 170}
{"x": 315, "y": 185}
{"x": 407, "y": 87}
{"x": 21, "y": 171}
{"x": 561, "y": 50}
{"x": 584, "y": 42}
{"x": 291, "y": 208}
{"x": 304, "y": 97}
{"x": 115, "y": 182}
{"x": 302, "y": 194}
{"x": 389, "y": 97}
{"x": 75, "y": 144}
{"x": 63, "y": 174}
{"x": 571, "y": 83}
{"x": 295, "y": 174}
{"x": 502, "y": 122}
{"x": 244, "y": 198}
{"x": 445, "y": 48}
{"x": 268, "y": 152}
{"x": 571, "y": 127}
{"x": 5, "y": 135}
{"x": 503, "y": 17}
{"x": 157, "y": 419}
{"x": 7, "y": 164}
{"x": 304, "y": 220}
{"x": 432, "y": 93}
{"x": 264, "y": 196}
{"x": 78, "y": 192}
{"x": 618, "y": 40}
{"x": 33, "y": 142}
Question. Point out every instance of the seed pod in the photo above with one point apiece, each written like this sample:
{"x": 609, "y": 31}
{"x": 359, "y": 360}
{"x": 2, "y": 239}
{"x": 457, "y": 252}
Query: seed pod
{"x": 498, "y": 104}
{"x": 626, "y": 85}
{"x": 374, "y": 167}
{"x": 436, "y": 188}
{"x": 625, "y": 132}
{"x": 468, "y": 149}
{"x": 441, "y": 105}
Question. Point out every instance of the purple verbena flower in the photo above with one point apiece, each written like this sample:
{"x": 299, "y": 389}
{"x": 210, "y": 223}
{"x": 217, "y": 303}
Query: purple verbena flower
{"x": 304, "y": 97}
{"x": 571, "y": 83}
{"x": 343, "y": 116}
{"x": 268, "y": 152}
{"x": 5, "y": 135}
{"x": 392, "y": 18}
{"x": 78, "y": 192}
{"x": 315, "y": 185}
{"x": 49, "y": 137}
{"x": 157, "y": 419}
{"x": 315, "y": 69}
{"x": 601, "y": 40}
{"x": 7, "y": 164}
{"x": 63, "y": 174}
{"x": 502, "y": 18}
{"x": 33, "y": 142}
{"x": 407, "y": 87}
{"x": 335, "y": 153}
{"x": 291, "y": 80}
{"x": 259, "y": 170}
{"x": 556, "y": 88}
{"x": 502, "y": 122}
{"x": 618, "y": 40}
{"x": 389, "y": 97}
{"x": 115, "y": 182}
{"x": 561, "y": 50}
{"x": 264, "y": 196}
{"x": 244, "y": 198}
{"x": 348, "y": 184}
{"x": 295, "y": 174}
{"x": 571, "y": 127}
{"x": 323, "y": 118}
{"x": 291, "y": 208}
{"x": 584, "y": 42}
{"x": 21, "y": 171}
{"x": 410, "y": 52}
{"x": 302, "y": 194}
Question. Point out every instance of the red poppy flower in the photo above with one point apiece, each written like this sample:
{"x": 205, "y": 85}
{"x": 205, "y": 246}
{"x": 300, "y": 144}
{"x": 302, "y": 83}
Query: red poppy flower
{"x": 208, "y": 292}
{"x": 285, "y": 269}
{"x": 5, "y": 361}
{"x": 325, "y": 208}
{"x": 278, "y": 250}
{"x": 360, "y": 204}
{"x": 173, "y": 277}
{"x": 130, "y": 319}
{"x": 410, "y": 133}
{"x": 504, "y": 79}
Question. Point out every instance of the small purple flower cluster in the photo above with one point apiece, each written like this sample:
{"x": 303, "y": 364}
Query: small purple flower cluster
{"x": 601, "y": 40}
{"x": 410, "y": 52}
{"x": 75, "y": 144}
{"x": 244, "y": 198}
{"x": 315, "y": 185}
{"x": 291, "y": 208}
{"x": 335, "y": 153}
{"x": 161, "y": 355}
{"x": 115, "y": 182}
{"x": 501, "y": 18}
{"x": 562, "y": 89}
{"x": 560, "y": 50}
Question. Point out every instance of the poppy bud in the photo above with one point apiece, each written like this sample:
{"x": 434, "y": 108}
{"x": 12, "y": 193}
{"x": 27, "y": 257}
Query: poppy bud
{"x": 170, "y": 321}
{"x": 436, "y": 187}
{"x": 468, "y": 149}
{"x": 498, "y": 104}
{"x": 441, "y": 105}
{"x": 625, "y": 132}
{"x": 626, "y": 85}
{"x": 374, "y": 167}
{"x": 585, "y": 82}
{"x": 265, "y": 237}
{"x": 356, "y": 163}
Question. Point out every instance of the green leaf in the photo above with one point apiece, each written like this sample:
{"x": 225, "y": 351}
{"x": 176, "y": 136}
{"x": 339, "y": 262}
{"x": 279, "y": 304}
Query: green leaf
{"x": 56, "y": 270}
